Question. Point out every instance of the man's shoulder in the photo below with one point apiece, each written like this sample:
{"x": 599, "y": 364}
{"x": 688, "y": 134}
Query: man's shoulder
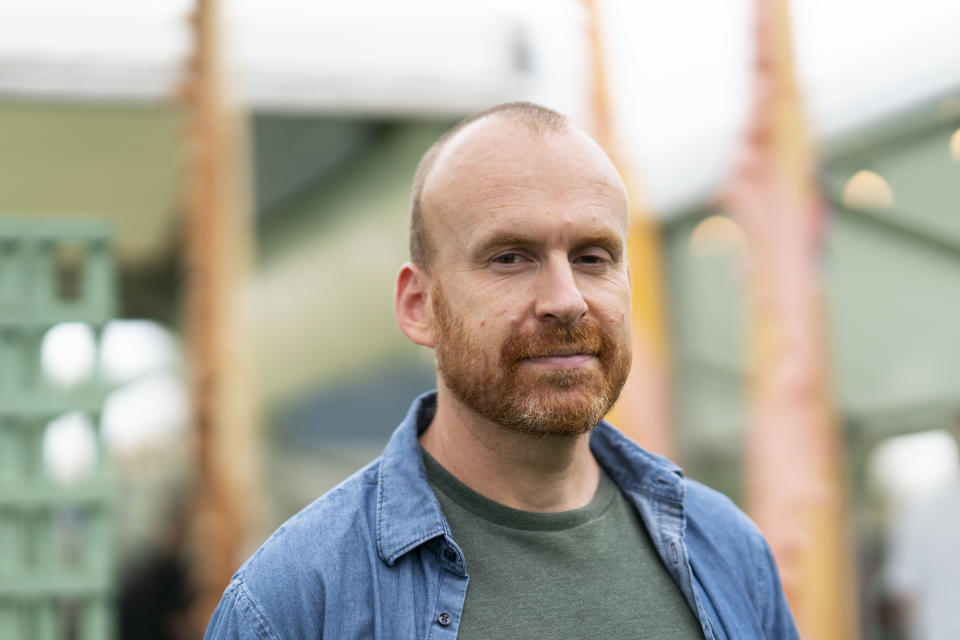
{"x": 334, "y": 527}
{"x": 708, "y": 502}
{"x": 711, "y": 513}
{"x": 733, "y": 563}
{"x": 282, "y": 590}
{"x": 725, "y": 545}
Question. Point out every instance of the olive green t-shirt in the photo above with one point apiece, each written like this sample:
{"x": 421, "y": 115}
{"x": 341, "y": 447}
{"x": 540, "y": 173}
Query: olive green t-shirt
{"x": 591, "y": 572}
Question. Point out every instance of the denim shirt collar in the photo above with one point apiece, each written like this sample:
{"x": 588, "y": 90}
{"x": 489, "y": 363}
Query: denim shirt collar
{"x": 408, "y": 513}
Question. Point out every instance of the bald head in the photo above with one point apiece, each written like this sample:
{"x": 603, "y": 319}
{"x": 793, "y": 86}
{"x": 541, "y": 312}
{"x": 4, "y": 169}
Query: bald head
{"x": 534, "y": 118}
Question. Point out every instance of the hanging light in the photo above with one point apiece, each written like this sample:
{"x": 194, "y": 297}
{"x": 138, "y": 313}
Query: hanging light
{"x": 867, "y": 190}
{"x": 69, "y": 448}
{"x": 68, "y": 354}
{"x": 717, "y": 235}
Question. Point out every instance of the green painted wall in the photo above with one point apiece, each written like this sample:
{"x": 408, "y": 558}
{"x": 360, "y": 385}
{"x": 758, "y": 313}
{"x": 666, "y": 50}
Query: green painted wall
{"x": 119, "y": 163}
{"x": 891, "y": 279}
{"x": 324, "y": 286}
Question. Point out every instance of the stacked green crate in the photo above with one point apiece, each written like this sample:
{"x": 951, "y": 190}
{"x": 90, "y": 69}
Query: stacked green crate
{"x": 56, "y": 570}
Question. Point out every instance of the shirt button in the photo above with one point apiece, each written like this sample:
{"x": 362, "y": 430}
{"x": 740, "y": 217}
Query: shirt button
{"x": 450, "y": 554}
{"x": 444, "y": 618}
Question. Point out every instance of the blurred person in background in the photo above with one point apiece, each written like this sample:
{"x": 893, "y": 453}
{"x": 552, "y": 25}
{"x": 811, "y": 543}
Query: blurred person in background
{"x": 923, "y": 569}
{"x": 155, "y": 591}
{"x": 503, "y": 505}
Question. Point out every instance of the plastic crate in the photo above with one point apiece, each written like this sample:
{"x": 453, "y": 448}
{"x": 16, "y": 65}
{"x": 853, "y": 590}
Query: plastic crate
{"x": 56, "y": 565}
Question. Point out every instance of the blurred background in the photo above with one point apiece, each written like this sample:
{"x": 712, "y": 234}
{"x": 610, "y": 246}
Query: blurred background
{"x": 203, "y": 206}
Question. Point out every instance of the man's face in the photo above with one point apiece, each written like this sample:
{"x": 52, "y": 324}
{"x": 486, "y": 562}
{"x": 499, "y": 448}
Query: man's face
{"x": 530, "y": 293}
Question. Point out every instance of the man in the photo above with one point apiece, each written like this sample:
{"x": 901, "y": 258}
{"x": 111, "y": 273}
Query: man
{"x": 503, "y": 507}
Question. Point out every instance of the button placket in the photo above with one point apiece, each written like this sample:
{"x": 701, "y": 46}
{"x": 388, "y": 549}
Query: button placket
{"x": 453, "y": 590}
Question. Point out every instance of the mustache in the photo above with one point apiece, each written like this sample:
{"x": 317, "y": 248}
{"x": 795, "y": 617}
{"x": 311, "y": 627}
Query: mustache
{"x": 584, "y": 337}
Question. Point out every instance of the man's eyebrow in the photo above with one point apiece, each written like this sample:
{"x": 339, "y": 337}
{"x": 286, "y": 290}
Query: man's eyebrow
{"x": 507, "y": 238}
{"x": 610, "y": 241}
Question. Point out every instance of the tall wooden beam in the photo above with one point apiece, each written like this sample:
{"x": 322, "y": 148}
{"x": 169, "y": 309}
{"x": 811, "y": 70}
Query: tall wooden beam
{"x": 644, "y": 409}
{"x": 218, "y": 247}
{"x": 795, "y": 480}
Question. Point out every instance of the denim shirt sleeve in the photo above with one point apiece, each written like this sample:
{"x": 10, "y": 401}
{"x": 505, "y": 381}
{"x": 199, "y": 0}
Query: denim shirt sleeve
{"x": 777, "y": 619}
{"x": 734, "y": 570}
{"x": 238, "y": 617}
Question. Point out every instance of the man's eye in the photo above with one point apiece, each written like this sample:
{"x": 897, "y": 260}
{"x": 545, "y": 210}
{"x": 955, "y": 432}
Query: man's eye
{"x": 508, "y": 258}
{"x": 590, "y": 258}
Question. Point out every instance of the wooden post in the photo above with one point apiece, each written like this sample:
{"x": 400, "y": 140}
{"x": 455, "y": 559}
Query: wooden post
{"x": 795, "y": 483}
{"x": 218, "y": 247}
{"x": 643, "y": 411}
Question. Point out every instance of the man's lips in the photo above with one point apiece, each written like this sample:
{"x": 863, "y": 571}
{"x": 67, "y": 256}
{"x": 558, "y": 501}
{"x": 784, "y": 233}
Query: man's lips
{"x": 563, "y": 360}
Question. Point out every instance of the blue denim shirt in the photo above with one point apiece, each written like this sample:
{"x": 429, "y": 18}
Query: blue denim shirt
{"x": 374, "y": 557}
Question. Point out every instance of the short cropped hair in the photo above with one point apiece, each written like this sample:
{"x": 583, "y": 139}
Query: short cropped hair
{"x": 537, "y": 118}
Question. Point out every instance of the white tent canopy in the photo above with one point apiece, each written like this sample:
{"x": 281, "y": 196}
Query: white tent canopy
{"x": 679, "y": 70}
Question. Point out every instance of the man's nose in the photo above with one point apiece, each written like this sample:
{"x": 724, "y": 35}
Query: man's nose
{"x": 558, "y": 297}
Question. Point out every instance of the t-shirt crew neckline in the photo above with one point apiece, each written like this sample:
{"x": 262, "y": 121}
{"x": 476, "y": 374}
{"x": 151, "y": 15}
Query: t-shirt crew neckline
{"x": 501, "y": 515}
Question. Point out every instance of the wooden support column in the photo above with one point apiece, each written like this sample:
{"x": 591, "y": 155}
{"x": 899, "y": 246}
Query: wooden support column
{"x": 795, "y": 479}
{"x": 643, "y": 411}
{"x": 218, "y": 249}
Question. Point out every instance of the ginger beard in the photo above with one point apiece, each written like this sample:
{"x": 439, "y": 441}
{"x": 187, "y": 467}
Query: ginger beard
{"x": 543, "y": 402}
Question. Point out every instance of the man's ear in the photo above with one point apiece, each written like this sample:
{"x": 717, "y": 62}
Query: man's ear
{"x": 411, "y": 305}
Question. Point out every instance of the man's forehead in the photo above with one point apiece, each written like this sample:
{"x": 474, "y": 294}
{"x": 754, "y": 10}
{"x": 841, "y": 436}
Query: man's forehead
{"x": 497, "y": 138}
{"x": 484, "y": 138}
{"x": 504, "y": 157}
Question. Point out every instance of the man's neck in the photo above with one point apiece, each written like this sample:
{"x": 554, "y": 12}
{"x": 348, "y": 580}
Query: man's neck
{"x": 518, "y": 470}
